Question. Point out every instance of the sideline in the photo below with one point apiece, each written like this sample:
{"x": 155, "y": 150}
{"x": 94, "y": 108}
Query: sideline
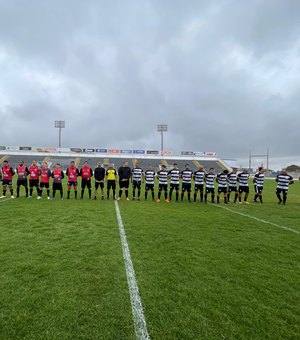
{"x": 135, "y": 299}
{"x": 259, "y": 219}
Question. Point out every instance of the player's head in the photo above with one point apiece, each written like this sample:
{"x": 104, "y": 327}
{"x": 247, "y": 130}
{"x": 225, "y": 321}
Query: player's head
{"x": 45, "y": 165}
{"x": 149, "y": 167}
{"x": 5, "y": 163}
{"x": 72, "y": 164}
{"x": 201, "y": 168}
{"x": 111, "y": 166}
{"x": 57, "y": 166}
{"x": 187, "y": 166}
{"x": 99, "y": 164}
{"x": 234, "y": 170}
{"x": 34, "y": 162}
{"x": 86, "y": 164}
{"x": 175, "y": 165}
{"x": 261, "y": 169}
{"x": 137, "y": 165}
{"x": 212, "y": 170}
{"x": 125, "y": 164}
{"x": 21, "y": 163}
{"x": 225, "y": 172}
{"x": 284, "y": 171}
{"x": 163, "y": 167}
{"x": 245, "y": 170}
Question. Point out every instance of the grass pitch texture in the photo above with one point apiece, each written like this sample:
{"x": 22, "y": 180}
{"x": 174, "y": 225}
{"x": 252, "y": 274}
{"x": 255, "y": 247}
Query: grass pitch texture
{"x": 203, "y": 272}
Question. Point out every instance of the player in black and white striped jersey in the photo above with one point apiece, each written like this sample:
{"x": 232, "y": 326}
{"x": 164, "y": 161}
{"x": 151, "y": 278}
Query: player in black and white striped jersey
{"x": 222, "y": 185}
{"x": 136, "y": 178}
{"x": 186, "y": 175}
{"x": 149, "y": 179}
{"x": 232, "y": 187}
{"x": 283, "y": 181}
{"x": 243, "y": 178}
{"x": 210, "y": 185}
{"x": 258, "y": 181}
{"x": 162, "y": 176}
{"x": 174, "y": 176}
{"x": 199, "y": 183}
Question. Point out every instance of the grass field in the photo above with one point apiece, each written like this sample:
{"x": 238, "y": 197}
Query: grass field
{"x": 203, "y": 272}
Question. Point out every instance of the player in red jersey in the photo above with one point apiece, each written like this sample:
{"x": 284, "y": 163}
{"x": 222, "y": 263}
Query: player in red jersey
{"x": 7, "y": 176}
{"x": 57, "y": 175}
{"x": 86, "y": 174}
{"x": 45, "y": 179}
{"x": 34, "y": 174}
{"x": 22, "y": 172}
{"x": 72, "y": 173}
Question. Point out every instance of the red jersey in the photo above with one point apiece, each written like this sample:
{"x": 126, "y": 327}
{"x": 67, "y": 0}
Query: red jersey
{"x": 57, "y": 175}
{"x": 45, "y": 175}
{"x": 72, "y": 174}
{"x": 7, "y": 172}
{"x": 86, "y": 173}
{"x": 34, "y": 172}
{"x": 22, "y": 171}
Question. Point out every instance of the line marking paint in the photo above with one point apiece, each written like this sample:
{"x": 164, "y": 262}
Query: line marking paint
{"x": 6, "y": 199}
{"x": 135, "y": 299}
{"x": 260, "y": 220}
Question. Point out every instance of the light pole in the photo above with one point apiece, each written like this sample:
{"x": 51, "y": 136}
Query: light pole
{"x": 59, "y": 124}
{"x": 162, "y": 128}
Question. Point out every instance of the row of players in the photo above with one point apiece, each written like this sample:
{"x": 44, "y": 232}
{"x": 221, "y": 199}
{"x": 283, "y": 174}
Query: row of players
{"x": 39, "y": 178}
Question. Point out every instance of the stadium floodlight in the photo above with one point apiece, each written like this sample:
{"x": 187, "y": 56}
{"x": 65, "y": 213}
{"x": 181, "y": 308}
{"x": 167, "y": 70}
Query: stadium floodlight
{"x": 162, "y": 128}
{"x": 59, "y": 124}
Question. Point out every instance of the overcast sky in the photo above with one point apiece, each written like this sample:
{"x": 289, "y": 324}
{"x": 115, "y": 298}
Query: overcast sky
{"x": 224, "y": 74}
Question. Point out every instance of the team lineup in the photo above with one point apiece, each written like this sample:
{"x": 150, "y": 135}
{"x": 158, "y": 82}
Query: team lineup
{"x": 169, "y": 181}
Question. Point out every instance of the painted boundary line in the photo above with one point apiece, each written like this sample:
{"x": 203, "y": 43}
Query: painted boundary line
{"x": 6, "y": 199}
{"x": 260, "y": 220}
{"x": 135, "y": 299}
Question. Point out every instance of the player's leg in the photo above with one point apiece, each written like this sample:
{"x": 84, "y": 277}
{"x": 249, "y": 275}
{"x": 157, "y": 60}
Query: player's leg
{"x": 133, "y": 190}
{"x": 284, "y": 193}
{"x": 246, "y": 194}
{"x": 225, "y": 195}
{"x": 212, "y": 195}
{"x": 11, "y": 189}
{"x": 218, "y": 195}
{"x": 195, "y": 193}
{"x": 139, "y": 190}
{"x": 189, "y": 192}
{"x": 182, "y": 192}
{"x": 68, "y": 190}
{"x": 18, "y": 188}
{"x": 152, "y": 191}
{"x": 146, "y": 191}
{"x": 96, "y": 190}
{"x": 83, "y": 184}
{"x": 159, "y": 192}
{"x": 166, "y": 193}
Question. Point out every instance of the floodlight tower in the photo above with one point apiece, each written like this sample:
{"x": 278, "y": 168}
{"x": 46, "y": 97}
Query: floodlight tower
{"x": 162, "y": 128}
{"x": 59, "y": 124}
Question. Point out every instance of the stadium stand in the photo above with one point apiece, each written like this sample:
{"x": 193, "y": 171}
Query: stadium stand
{"x": 116, "y": 160}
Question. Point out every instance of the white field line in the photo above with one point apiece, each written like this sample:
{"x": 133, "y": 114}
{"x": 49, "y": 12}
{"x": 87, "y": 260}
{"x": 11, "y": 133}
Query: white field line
{"x": 259, "y": 219}
{"x": 5, "y": 199}
{"x": 135, "y": 299}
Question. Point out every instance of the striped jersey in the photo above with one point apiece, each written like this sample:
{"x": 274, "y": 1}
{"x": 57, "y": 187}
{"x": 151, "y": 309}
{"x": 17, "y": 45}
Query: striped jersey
{"x": 243, "y": 178}
{"x": 137, "y": 174}
{"x": 174, "y": 176}
{"x": 232, "y": 179}
{"x": 283, "y": 181}
{"x": 222, "y": 180}
{"x": 210, "y": 180}
{"x": 259, "y": 179}
{"x": 199, "y": 177}
{"x": 149, "y": 176}
{"x": 187, "y": 176}
{"x": 162, "y": 176}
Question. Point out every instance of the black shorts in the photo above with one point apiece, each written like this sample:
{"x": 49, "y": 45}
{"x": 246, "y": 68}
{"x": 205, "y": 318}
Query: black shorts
{"x": 186, "y": 187}
{"x": 111, "y": 184}
{"x": 56, "y": 186}
{"x": 44, "y": 185}
{"x": 258, "y": 189}
{"x": 210, "y": 190}
{"x": 232, "y": 188}
{"x": 174, "y": 186}
{"x": 162, "y": 187}
{"x": 33, "y": 183}
{"x": 136, "y": 184}
{"x": 149, "y": 187}
{"x": 199, "y": 187}
{"x": 222, "y": 189}
{"x": 23, "y": 182}
{"x": 284, "y": 191}
{"x": 124, "y": 184}
{"x": 97, "y": 185}
{"x": 7, "y": 182}
{"x": 243, "y": 188}
{"x": 86, "y": 183}
{"x": 71, "y": 183}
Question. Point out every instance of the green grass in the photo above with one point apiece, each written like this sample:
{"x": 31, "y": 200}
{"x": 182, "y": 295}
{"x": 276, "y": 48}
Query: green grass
{"x": 203, "y": 272}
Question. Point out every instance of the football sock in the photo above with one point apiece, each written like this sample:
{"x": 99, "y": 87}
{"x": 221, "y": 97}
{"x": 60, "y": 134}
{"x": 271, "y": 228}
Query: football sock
{"x": 126, "y": 193}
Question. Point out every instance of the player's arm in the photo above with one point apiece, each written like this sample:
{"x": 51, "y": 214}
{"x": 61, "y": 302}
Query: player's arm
{"x": 80, "y": 172}
{"x": 12, "y": 171}
{"x": 62, "y": 174}
{"x": 91, "y": 172}
{"x": 276, "y": 179}
{"x": 291, "y": 180}
{"x": 255, "y": 178}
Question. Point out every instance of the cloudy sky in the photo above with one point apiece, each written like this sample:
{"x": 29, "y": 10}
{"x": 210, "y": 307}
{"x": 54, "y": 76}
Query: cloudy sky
{"x": 224, "y": 74}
